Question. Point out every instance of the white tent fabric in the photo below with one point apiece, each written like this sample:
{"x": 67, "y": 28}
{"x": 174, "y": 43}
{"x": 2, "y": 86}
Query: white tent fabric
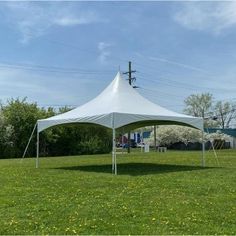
{"x": 119, "y": 105}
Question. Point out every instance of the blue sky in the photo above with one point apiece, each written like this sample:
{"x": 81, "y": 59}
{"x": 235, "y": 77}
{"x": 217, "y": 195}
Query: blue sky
{"x": 65, "y": 53}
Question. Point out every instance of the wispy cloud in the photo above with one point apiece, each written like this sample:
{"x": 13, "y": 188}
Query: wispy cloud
{"x": 104, "y": 52}
{"x": 213, "y": 17}
{"x": 20, "y": 84}
{"x": 178, "y": 64}
{"x": 43, "y": 87}
{"x": 34, "y": 19}
{"x": 171, "y": 62}
{"x": 70, "y": 20}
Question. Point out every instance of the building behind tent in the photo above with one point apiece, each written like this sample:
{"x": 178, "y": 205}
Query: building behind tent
{"x": 230, "y": 132}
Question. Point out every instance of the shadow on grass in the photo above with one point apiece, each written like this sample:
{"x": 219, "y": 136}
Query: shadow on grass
{"x": 136, "y": 169}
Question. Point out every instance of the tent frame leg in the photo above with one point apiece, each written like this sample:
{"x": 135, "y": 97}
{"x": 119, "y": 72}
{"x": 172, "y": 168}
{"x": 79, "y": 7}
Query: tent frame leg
{"x": 203, "y": 150}
{"x": 155, "y": 137}
{"x": 37, "y": 154}
{"x": 122, "y": 140}
{"x": 114, "y": 164}
{"x": 142, "y": 142}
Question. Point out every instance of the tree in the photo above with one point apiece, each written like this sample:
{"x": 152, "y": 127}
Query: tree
{"x": 74, "y": 139}
{"x": 224, "y": 111}
{"x": 21, "y": 116}
{"x": 170, "y": 134}
{"x": 17, "y": 120}
{"x": 199, "y": 105}
{"x": 6, "y": 132}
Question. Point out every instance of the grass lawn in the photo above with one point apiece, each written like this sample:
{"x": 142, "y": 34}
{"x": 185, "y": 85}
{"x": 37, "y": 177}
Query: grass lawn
{"x": 153, "y": 193}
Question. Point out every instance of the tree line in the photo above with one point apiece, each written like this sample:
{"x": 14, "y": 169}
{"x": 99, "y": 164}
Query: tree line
{"x": 17, "y": 120}
{"x": 218, "y": 114}
{"x": 18, "y": 117}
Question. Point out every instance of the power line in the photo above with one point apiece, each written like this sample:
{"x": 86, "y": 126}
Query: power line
{"x": 157, "y": 91}
{"x": 185, "y": 66}
{"x": 164, "y": 102}
{"x": 175, "y": 83}
{"x": 160, "y": 98}
{"x": 53, "y": 69}
{"x": 199, "y": 76}
{"x": 71, "y": 46}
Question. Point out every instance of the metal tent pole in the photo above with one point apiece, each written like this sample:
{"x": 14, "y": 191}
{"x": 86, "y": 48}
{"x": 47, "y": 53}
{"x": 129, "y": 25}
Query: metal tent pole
{"x": 142, "y": 147}
{"x": 112, "y": 171}
{"x": 112, "y": 151}
{"x": 29, "y": 141}
{"x": 37, "y": 156}
{"x": 155, "y": 137}
{"x": 203, "y": 149}
{"x": 122, "y": 140}
{"x": 114, "y": 165}
{"x": 115, "y": 151}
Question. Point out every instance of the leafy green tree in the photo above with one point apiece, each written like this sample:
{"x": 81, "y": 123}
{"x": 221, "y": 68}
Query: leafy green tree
{"x": 74, "y": 139}
{"x": 6, "y": 132}
{"x": 77, "y": 139}
{"x": 95, "y": 139}
{"x": 17, "y": 121}
{"x": 21, "y": 116}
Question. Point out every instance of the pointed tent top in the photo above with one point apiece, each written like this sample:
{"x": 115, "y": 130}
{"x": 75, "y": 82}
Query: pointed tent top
{"x": 119, "y": 104}
{"x": 123, "y": 98}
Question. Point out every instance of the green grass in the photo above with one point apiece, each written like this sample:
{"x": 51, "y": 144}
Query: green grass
{"x": 153, "y": 193}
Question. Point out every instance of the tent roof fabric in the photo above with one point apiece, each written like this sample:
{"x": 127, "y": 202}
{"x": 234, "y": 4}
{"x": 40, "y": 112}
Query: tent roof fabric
{"x": 120, "y": 105}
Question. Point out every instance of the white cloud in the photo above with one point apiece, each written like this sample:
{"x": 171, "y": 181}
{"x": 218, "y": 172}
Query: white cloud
{"x": 71, "y": 20}
{"x": 207, "y": 16}
{"x": 34, "y": 19}
{"x": 104, "y": 52}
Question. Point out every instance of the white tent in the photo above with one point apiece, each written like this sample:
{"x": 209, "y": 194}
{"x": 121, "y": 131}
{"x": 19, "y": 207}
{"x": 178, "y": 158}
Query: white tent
{"x": 119, "y": 105}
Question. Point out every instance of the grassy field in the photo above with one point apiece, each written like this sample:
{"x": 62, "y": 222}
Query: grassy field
{"x": 153, "y": 193}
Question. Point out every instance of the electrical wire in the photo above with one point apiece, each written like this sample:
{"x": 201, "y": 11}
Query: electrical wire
{"x": 53, "y": 69}
{"x": 178, "y": 84}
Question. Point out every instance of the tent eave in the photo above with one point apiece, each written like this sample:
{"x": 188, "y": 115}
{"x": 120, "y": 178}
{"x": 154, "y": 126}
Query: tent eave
{"x": 129, "y": 121}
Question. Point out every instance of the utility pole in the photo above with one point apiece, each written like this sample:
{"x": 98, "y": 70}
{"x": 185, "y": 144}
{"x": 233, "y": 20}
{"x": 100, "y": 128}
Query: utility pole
{"x": 131, "y": 80}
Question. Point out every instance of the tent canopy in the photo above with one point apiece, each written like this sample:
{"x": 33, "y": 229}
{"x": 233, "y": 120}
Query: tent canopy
{"x": 120, "y": 105}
